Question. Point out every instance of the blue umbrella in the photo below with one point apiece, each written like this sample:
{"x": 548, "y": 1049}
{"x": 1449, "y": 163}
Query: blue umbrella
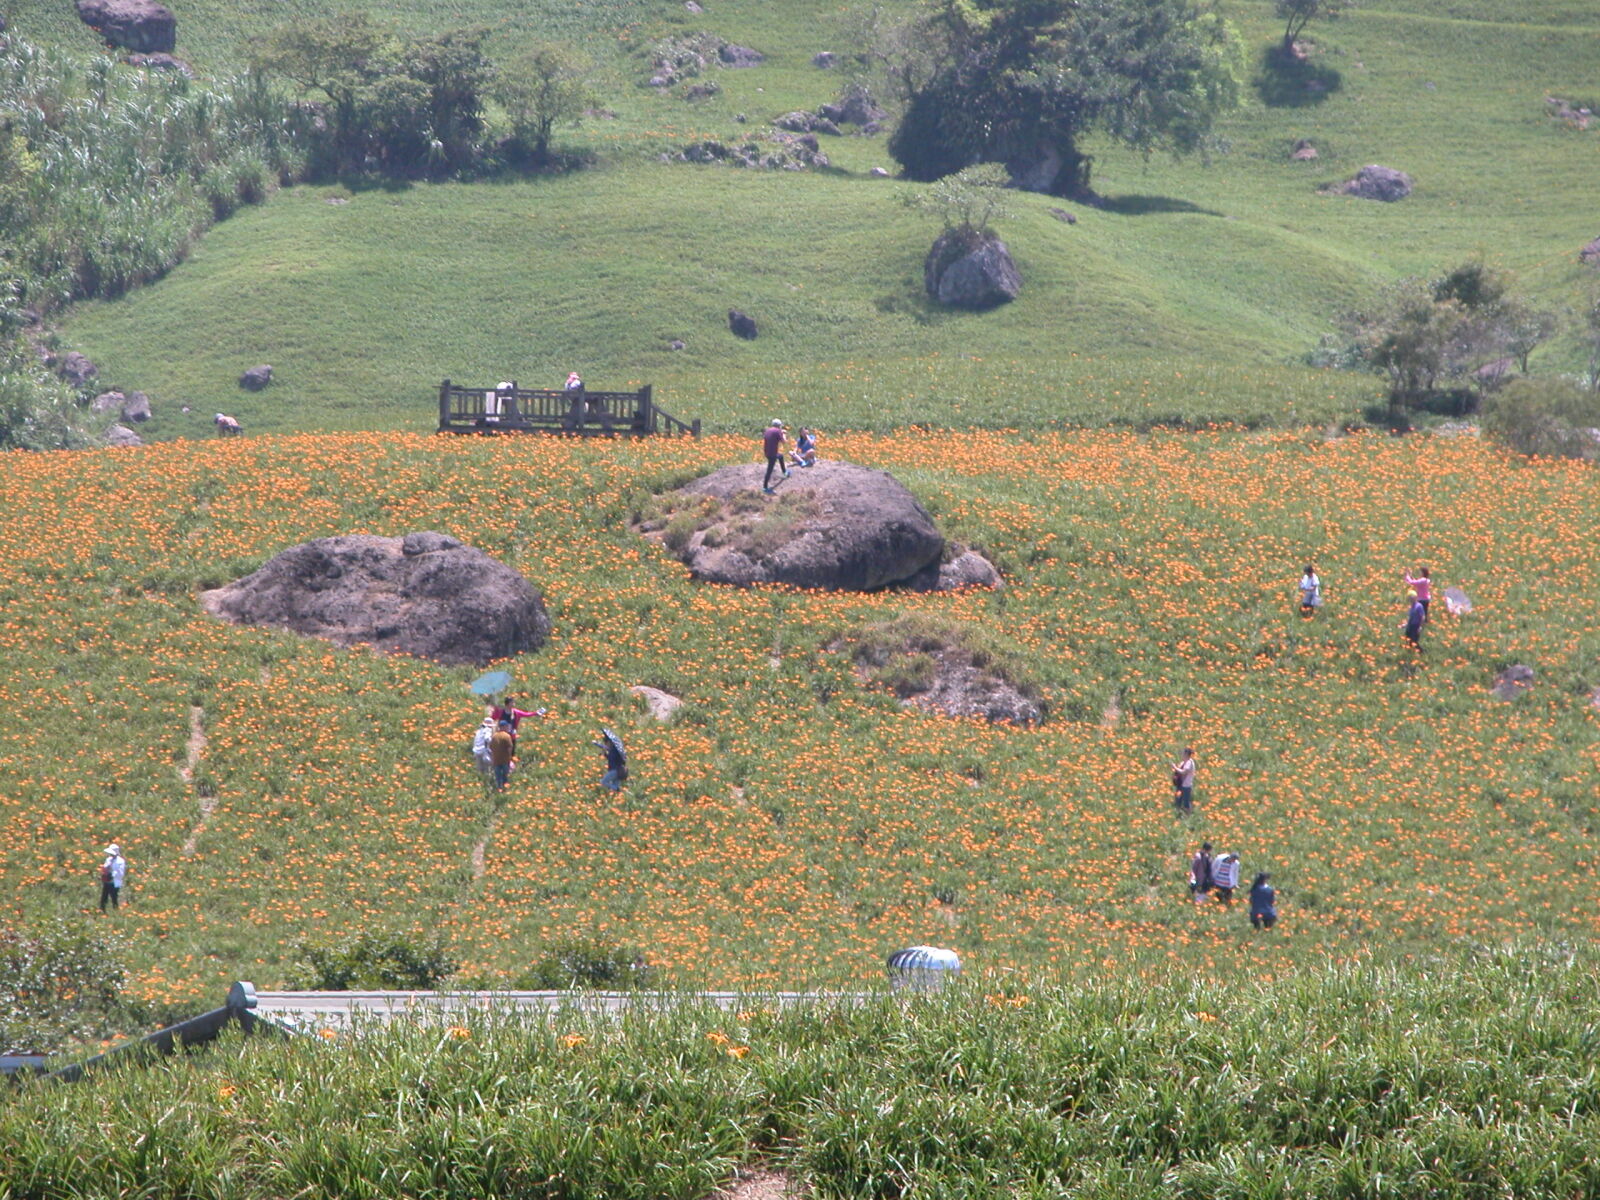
{"x": 491, "y": 684}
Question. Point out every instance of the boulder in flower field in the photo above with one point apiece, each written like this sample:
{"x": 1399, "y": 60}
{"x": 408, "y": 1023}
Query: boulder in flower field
{"x": 426, "y": 594}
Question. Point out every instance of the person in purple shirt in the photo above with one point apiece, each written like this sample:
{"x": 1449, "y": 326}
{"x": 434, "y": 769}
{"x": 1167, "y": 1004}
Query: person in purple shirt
{"x": 1414, "y": 622}
{"x": 772, "y": 444}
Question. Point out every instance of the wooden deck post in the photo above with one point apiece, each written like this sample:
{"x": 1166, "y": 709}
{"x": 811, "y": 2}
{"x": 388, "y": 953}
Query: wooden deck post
{"x": 444, "y": 406}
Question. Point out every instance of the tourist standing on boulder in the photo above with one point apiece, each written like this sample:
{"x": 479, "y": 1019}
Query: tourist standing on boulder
{"x": 1415, "y": 619}
{"x": 772, "y": 446}
{"x": 113, "y": 874}
{"x": 1263, "y": 902}
{"x": 501, "y": 747}
{"x": 1422, "y": 585}
{"x": 1200, "y": 871}
{"x": 1310, "y": 592}
{"x": 1183, "y": 782}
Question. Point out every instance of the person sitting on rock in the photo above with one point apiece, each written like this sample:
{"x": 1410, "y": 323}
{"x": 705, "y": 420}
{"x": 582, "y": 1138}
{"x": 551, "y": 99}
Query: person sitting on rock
{"x": 805, "y": 449}
{"x": 226, "y": 426}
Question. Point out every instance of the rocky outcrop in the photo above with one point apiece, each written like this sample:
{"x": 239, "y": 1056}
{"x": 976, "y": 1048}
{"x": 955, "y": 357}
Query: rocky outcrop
{"x": 425, "y": 594}
{"x": 140, "y": 25}
{"x": 160, "y": 62}
{"x": 256, "y": 378}
{"x": 132, "y": 406}
{"x": 966, "y": 569}
{"x": 662, "y": 705}
{"x": 742, "y": 325}
{"x": 1512, "y": 682}
{"x": 1377, "y": 183}
{"x": 836, "y": 526}
{"x": 969, "y": 269}
{"x": 121, "y": 435}
{"x": 855, "y": 106}
{"x": 76, "y": 368}
{"x": 731, "y": 55}
{"x": 943, "y": 666}
{"x": 769, "y": 152}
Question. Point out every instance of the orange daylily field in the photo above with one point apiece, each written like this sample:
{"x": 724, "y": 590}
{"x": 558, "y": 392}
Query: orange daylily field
{"x": 793, "y": 825}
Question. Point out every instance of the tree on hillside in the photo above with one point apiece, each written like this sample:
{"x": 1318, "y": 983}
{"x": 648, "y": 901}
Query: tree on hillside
{"x": 543, "y": 87}
{"x": 1430, "y": 339}
{"x": 399, "y": 107}
{"x": 1020, "y": 82}
{"x": 1297, "y": 14}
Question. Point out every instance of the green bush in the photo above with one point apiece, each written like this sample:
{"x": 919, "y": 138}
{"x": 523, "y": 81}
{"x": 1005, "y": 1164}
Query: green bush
{"x": 394, "y": 959}
{"x": 587, "y": 962}
{"x": 58, "y": 984}
{"x": 1546, "y": 417}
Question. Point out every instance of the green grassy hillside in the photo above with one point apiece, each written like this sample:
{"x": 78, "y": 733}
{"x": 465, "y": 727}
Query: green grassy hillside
{"x": 1239, "y": 265}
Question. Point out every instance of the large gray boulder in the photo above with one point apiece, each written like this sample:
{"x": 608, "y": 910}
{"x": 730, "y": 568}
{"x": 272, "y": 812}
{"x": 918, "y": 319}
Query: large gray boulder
{"x": 121, "y": 435}
{"x": 424, "y": 594}
{"x": 1378, "y": 183}
{"x": 836, "y": 526}
{"x": 140, "y": 25}
{"x": 966, "y": 269}
{"x": 76, "y": 368}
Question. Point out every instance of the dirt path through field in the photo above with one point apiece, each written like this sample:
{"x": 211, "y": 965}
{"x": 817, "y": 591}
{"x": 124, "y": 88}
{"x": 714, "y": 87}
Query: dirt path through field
{"x": 207, "y": 794}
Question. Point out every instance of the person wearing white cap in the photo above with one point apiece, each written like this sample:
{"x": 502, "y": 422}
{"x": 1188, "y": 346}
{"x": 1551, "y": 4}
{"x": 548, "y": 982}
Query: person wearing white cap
{"x": 772, "y": 445}
{"x": 226, "y": 426}
{"x": 113, "y": 873}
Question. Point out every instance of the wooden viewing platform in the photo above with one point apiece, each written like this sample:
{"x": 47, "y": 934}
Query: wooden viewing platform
{"x": 550, "y": 410}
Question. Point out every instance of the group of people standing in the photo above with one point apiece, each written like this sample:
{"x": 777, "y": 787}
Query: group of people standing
{"x": 1220, "y": 876}
{"x": 1419, "y": 600}
{"x": 494, "y": 746}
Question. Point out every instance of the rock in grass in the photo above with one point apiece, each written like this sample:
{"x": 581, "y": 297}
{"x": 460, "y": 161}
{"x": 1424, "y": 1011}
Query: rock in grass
{"x": 1378, "y": 183}
{"x": 256, "y": 378}
{"x": 1512, "y": 682}
{"x": 969, "y": 269}
{"x": 425, "y": 594}
{"x": 836, "y": 526}
{"x": 140, "y": 25}
{"x": 740, "y": 56}
{"x": 946, "y": 666}
{"x": 1591, "y": 253}
{"x": 662, "y": 705}
{"x": 121, "y": 435}
{"x": 742, "y": 324}
{"x": 76, "y": 368}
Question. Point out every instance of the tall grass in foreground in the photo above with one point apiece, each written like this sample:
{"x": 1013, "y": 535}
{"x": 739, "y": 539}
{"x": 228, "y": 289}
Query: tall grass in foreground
{"x": 1464, "y": 1078}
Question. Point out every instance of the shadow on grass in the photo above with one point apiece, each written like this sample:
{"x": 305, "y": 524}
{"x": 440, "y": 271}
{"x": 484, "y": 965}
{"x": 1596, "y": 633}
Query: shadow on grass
{"x": 1287, "y": 81}
{"x": 1141, "y": 206}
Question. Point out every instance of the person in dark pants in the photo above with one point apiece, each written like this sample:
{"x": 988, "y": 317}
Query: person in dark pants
{"x": 502, "y": 745}
{"x": 616, "y": 761}
{"x": 1415, "y": 619}
{"x": 772, "y": 445}
{"x": 113, "y": 874}
{"x": 1263, "y": 902}
{"x": 1183, "y": 782}
{"x": 1200, "y": 871}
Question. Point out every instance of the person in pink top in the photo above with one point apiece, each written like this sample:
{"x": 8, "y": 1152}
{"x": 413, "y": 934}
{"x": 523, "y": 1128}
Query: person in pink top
{"x": 1423, "y": 586}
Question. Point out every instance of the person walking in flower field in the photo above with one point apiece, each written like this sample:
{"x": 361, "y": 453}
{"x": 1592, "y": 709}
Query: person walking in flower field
{"x": 113, "y": 874}
{"x": 1183, "y": 782}
{"x": 1200, "y": 871}
{"x": 1422, "y": 587}
{"x": 1310, "y": 592}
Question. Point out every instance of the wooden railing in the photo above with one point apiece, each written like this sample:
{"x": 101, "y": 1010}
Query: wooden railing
{"x": 547, "y": 410}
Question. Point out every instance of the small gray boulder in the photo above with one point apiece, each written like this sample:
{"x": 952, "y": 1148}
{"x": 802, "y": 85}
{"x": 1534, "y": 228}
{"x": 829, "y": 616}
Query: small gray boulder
{"x": 256, "y": 378}
{"x": 121, "y": 435}
{"x": 1378, "y": 183}
{"x": 740, "y": 56}
{"x": 1512, "y": 682}
{"x": 76, "y": 368}
{"x": 742, "y": 324}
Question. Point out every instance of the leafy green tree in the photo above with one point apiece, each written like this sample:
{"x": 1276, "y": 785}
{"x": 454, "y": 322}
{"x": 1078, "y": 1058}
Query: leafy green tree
{"x": 398, "y": 107}
{"x": 1429, "y": 338}
{"x": 1297, "y": 14}
{"x": 544, "y": 87}
{"x": 967, "y": 200}
{"x": 58, "y": 984}
{"x": 1020, "y": 82}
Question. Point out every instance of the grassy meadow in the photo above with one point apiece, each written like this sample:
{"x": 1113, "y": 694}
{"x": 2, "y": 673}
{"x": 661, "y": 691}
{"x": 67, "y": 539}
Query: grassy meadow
{"x": 793, "y": 824}
{"x": 363, "y": 301}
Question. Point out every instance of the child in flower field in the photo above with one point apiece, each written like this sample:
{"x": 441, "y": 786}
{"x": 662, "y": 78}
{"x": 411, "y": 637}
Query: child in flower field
{"x": 1200, "y": 871}
{"x": 1422, "y": 585}
{"x": 1263, "y": 902}
{"x": 1310, "y": 592}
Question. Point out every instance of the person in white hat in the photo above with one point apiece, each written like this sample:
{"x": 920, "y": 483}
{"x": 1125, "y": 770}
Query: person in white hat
{"x": 226, "y": 426}
{"x": 113, "y": 873}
